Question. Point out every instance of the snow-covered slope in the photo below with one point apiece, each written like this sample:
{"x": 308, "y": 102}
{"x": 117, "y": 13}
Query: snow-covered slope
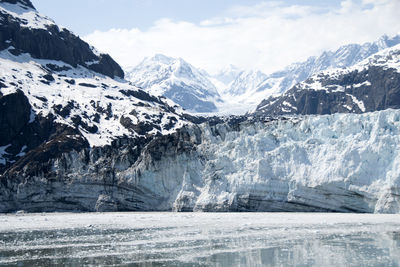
{"x": 25, "y": 14}
{"x": 176, "y": 80}
{"x": 238, "y": 93}
{"x": 373, "y": 84}
{"x": 99, "y": 101}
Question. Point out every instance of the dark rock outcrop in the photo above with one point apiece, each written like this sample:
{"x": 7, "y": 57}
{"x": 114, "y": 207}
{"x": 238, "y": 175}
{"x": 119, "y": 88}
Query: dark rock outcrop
{"x": 15, "y": 112}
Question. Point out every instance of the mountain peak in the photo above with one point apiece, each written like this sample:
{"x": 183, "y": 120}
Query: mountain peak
{"x": 166, "y": 60}
{"x": 176, "y": 79}
{"x": 162, "y": 59}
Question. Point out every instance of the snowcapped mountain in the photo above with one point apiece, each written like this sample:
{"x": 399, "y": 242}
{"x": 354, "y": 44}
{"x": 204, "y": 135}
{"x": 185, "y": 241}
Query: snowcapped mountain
{"x": 373, "y": 84}
{"x": 177, "y": 80}
{"x": 57, "y": 93}
{"x": 24, "y": 30}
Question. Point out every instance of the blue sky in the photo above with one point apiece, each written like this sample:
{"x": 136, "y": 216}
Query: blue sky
{"x": 85, "y": 16}
{"x": 211, "y": 34}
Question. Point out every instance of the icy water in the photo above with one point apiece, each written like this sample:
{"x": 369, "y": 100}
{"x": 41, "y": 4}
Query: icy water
{"x": 200, "y": 239}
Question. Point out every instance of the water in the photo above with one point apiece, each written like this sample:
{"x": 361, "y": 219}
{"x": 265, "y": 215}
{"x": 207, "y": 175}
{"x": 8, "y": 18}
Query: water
{"x": 200, "y": 239}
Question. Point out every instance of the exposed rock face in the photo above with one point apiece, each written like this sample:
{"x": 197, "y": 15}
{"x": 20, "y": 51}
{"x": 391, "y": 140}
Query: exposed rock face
{"x": 372, "y": 85}
{"x": 15, "y": 113}
{"x": 43, "y": 39}
{"x": 343, "y": 163}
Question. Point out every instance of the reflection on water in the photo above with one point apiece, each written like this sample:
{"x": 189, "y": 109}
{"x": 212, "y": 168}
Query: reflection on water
{"x": 170, "y": 239}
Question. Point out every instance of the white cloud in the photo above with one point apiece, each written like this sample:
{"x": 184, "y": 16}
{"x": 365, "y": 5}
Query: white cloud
{"x": 267, "y": 36}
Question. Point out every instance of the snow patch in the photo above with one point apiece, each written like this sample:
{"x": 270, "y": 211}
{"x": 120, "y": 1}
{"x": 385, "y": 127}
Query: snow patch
{"x": 359, "y": 103}
{"x": 366, "y": 83}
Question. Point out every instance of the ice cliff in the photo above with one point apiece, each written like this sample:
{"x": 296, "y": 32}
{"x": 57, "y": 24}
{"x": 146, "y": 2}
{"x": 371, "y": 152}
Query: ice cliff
{"x": 340, "y": 163}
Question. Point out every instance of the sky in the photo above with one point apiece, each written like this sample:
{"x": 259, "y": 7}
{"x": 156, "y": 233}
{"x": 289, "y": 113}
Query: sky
{"x": 212, "y": 34}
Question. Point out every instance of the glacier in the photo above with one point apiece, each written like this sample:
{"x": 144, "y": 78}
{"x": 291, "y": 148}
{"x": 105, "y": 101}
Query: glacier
{"x": 335, "y": 163}
{"x": 327, "y": 163}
